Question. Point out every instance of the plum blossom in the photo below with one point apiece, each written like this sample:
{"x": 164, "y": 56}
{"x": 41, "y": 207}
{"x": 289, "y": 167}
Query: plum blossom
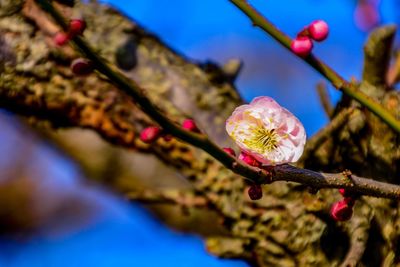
{"x": 267, "y": 131}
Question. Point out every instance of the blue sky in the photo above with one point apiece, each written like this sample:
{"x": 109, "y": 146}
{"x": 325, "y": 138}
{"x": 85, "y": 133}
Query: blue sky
{"x": 216, "y": 30}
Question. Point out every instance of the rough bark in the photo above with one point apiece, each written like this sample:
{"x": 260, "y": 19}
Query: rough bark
{"x": 290, "y": 226}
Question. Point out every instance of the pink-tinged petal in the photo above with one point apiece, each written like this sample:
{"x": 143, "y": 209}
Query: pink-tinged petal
{"x": 261, "y": 158}
{"x": 297, "y": 152}
{"x": 291, "y": 121}
{"x": 295, "y": 131}
{"x": 287, "y": 153}
{"x": 239, "y": 110}
{"x": 252, "y": 115}
{"x": 276, "y": 157}
{"x": 265, "y": 101}
{"x": 267, "y": 131}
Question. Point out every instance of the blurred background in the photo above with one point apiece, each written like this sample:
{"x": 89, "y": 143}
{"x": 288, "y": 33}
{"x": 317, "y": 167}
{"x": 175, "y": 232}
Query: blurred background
{"x": 76, "y": 223}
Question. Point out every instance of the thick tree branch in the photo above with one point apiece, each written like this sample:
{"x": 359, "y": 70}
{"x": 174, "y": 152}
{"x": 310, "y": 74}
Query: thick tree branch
{"x": 186, "y": 199}
{"x": 393, "y": 75}
{"x": 279, "y": 173}
{"x": 324, "y": 134}
{"x": 377, "y": 52}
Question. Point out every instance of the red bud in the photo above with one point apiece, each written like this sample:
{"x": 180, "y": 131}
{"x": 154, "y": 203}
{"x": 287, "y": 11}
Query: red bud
{"x": 190, "y": 125}
{"x": 167, "y": 137}
{"x": 150, "y": 134}
{"x": 301, "y": 46}
{"x": 350, "y": 201}
{"x": 230, "y": 151}
{"x": 76, "y": 27}
{"x": 255, "y": 192}
{"x": 341, "y": 211}
{"x": 346, "y": 194}
{"x": 318, "y": 30}
{"x": 61, "y": 38}
{"x": 249, "y": 160}
{"x": 81, "y": 66}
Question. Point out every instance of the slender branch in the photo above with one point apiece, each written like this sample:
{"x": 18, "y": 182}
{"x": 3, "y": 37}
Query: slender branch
{"x": 336, "y": 80}
{"x": 318, "y": 180}
{"x": 280, "y": 173}
{"x": 358, "y": 231}
{"x": 325, "y": 99}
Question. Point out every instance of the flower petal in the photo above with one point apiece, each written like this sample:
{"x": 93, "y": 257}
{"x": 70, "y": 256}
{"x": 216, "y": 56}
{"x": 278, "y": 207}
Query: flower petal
{"x": 267, "y": 131}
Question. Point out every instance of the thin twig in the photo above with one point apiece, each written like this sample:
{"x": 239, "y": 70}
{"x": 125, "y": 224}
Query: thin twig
{"x": 280, "y": 173}
{"x": 326, "y": 71}
{"x": 323, "y": 94}
{"x": 358, "y": 231}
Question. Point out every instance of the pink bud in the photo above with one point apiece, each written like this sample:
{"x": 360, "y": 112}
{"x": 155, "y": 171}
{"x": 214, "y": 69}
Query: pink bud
{"x": 255, "y": 192}
{"x": 61, "y": 38}
{"x": 341, "y": 211}
{"x": 366, "y": 15}
{"x": 301, "y": 46}
{"x": 346, "y": 194}
{"x": 230, "y": 151}
{"x": 343, "y": 192}
{"x": 350, "y": 201}
{"x": 190, "y": 125}
{"x": 318, "y": 30}
{"x": 76, "y": 27}
{"x": 249, "y": 160}
{"x": 150, "y": 134}
{"x": 167, "y": 137}
{"x": 304, "y": 32}
{"x": 81, "y": 66}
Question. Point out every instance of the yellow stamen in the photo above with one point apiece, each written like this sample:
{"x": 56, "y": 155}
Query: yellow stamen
{"x": 262, "y": 140}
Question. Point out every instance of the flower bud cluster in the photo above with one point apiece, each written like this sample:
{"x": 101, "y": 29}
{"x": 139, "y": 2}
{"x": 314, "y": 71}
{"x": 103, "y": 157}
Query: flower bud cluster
{"x": 76, "y": 27}
{"x": 302, "y": 45}
{"x": 343, "y": 209}
{"x": 150, "y": 134}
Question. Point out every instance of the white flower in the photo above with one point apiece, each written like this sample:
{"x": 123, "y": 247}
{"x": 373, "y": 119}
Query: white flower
{"x": 267, "y": 131}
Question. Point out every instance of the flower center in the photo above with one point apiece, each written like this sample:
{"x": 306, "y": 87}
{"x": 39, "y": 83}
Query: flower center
{"x": 262, "y": 140}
